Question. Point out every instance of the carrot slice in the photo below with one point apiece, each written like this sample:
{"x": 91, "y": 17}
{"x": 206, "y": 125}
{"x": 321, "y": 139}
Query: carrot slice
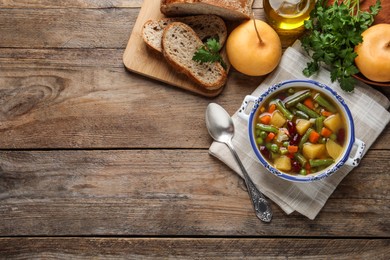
{"x": 326, "y": 113}
{"x": 314, "y": 136}
{"x": 325, "y": 132}
{"x": 292, "y": 148}
{"x": 270, "y": 137}
{"x": 272, "y": 108}
{"x": 265, "y": 119}
{"x": 309, "y": 103}
{"x": 307, "y": 168}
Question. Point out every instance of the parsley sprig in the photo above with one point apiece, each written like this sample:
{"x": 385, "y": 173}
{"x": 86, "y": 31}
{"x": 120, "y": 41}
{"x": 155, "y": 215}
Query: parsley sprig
{"x": 209, "y": 52}
{"x": 333, "y": 32}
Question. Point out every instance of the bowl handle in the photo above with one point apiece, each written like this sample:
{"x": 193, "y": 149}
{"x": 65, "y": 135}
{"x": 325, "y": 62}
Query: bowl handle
{"x": 242, "y": 111}
{"x": 355, "y": 160}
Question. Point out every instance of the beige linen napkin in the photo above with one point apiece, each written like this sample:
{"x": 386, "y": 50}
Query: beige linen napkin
{"x": 368, "y": 108}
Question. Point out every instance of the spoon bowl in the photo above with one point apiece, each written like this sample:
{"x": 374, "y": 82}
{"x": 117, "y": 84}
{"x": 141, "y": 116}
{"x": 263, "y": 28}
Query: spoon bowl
{"x": 219, "y": 124}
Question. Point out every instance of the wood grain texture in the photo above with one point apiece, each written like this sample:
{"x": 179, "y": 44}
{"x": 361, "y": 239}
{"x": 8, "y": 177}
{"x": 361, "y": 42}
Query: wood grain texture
{"x": 66, "y": 94}
{"x": 48, "y": 103}
{"x": 193, "y": 248}
{"x": 135, "y": 179}
{"x": 83, "y": 4}
{"x": 66, "y": 28}
{"x": 84, "y": 98}
{"x": 169, "y": 193}
{"x": 48, "y": 4}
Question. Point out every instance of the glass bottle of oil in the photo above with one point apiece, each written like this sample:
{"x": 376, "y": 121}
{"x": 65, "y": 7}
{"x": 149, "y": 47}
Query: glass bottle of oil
{"x": 287, "y": 14}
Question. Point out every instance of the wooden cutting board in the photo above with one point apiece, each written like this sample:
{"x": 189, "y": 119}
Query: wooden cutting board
{"x": 140, "y": 59}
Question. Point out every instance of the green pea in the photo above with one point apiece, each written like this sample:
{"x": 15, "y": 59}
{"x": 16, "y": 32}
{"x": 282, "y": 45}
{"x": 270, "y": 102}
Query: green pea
{"x": 263, "y": 134}
{"x": 274, "y": 148}
{"x": 286, "y": 144}
{"x": 259, "y": 140}
{"x": 302, "y": 172}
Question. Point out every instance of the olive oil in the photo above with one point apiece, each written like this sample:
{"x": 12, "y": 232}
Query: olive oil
{"x": 287, "y": 14}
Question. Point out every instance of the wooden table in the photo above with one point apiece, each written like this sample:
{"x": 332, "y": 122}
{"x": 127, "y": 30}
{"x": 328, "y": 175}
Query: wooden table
{"x": 96, "y": 161}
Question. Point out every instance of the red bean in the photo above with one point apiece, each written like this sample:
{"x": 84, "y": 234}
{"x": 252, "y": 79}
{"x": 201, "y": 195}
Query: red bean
{"x": 295, "y": 166}
{"x": 295, "y": 139}
{"x": 291, "y": 128}
{"x": 341, "y": 136}
{"x": 264, "y": 151}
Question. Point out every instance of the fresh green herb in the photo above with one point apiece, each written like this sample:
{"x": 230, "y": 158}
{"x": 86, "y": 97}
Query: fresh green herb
{"x": 209, "y": 53}
{"x": 333, "y": 32}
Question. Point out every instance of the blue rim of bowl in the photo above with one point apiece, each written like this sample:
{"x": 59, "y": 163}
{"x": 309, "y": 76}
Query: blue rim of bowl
{"x": 301, "y": 178}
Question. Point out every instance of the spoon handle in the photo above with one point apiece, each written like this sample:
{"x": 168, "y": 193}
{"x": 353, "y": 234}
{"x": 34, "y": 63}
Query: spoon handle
{"x": 261, "y": 205}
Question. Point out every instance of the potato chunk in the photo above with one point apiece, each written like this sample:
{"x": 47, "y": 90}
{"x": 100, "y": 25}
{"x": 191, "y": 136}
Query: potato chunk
{"x": 333, "y": 149}
{"x": 333, "y": 122}
{"x": 283, "y": 163}
{"x": 302, "y": 126}
{"x": 278, "y": 119}
{"x": 314, "y": 151}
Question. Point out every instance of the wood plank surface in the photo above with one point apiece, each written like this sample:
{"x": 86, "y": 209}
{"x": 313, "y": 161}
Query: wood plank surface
{"x": 170, "y": 193}
{"x": 98, "y": 162}
{"x": 90, "y": 4}
{"x": 83, "y": 4}
{"x": 70, "y": 108}
{"x": 194, "y": 248}
{"x": 66, "y": 28}
{"x": 86, "y": 99}
{"x": 76, "y": 96}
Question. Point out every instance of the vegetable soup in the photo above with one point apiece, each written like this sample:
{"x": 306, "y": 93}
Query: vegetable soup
{"x": 300, "y": 131}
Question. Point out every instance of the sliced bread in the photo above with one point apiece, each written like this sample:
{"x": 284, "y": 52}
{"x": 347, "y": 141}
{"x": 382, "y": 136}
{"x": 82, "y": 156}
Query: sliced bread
{"x": 227, "y": 9}
{"x": 179, "y": 44}
{"x": 205, "y": 26}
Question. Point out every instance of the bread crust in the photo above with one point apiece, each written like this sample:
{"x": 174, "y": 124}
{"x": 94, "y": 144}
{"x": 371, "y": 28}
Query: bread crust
{"x": 181, "y": 68}
{"x": 228, "y": 9}
{"x": 205, "y": 26}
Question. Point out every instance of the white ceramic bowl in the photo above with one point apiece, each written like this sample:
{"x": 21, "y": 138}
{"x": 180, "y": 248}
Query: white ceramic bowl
{"x": 350, "y": 139}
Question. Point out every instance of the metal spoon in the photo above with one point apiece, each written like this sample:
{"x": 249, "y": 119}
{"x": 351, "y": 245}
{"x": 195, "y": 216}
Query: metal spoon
{"x": 221, "y": 129}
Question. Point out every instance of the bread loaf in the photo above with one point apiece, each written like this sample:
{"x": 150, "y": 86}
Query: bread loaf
{"x": 179, "y": 44}
{"x": 227, "y": 9}
{"x": 205, "y": 26}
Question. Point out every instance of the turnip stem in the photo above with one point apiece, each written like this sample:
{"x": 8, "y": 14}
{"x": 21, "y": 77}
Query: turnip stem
{"x": 254, "y": 22}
